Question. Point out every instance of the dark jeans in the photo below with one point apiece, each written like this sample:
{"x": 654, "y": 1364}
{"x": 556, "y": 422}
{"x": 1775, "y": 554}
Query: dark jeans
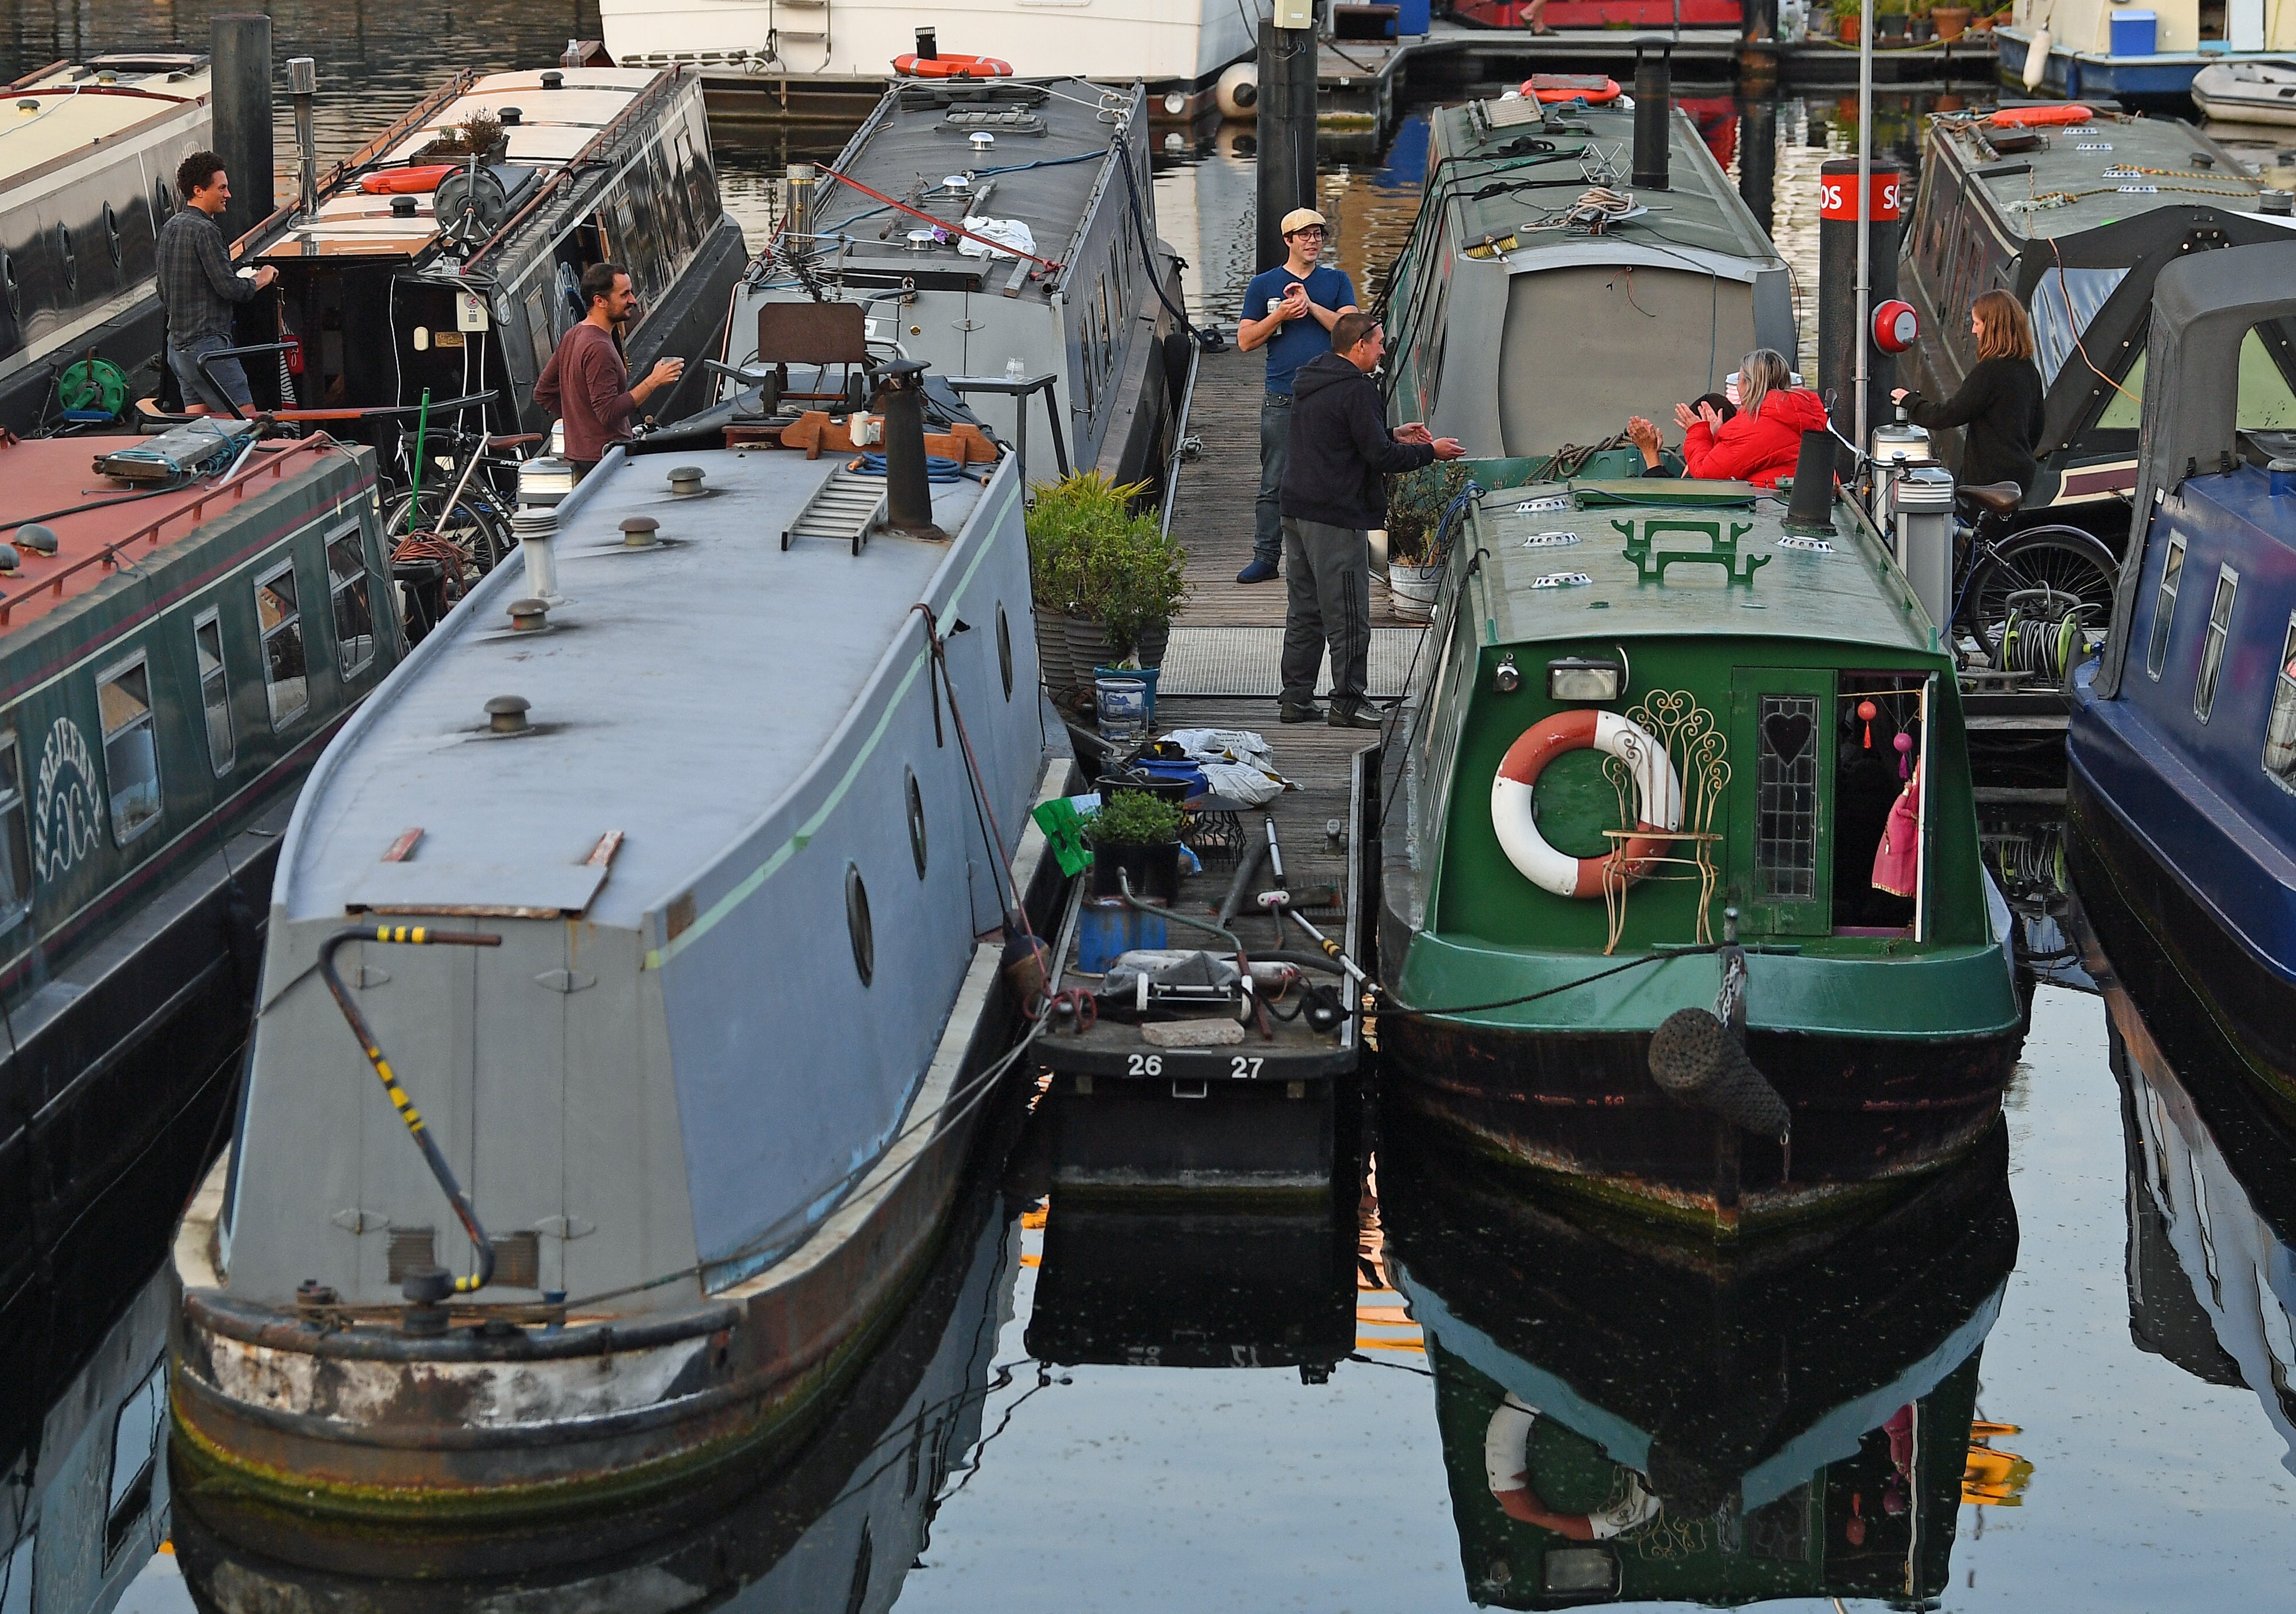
{"x": 196, "y": 387}
{"x": 1327, "y": 600}
{"x": 1275, "y": 455}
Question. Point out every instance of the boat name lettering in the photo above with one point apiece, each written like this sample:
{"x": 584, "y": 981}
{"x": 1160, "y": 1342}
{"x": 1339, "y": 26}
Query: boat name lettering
{"x": 1549, "y": 540}
{"x": 1817, "y": 546}
{"x": 65, "y": 824}
{"x": 2140, "y": 190}
{"x": 1563, "y": 579}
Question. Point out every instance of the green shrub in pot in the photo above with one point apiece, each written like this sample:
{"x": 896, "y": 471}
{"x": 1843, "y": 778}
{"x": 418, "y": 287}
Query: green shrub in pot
{"x": 1135, "y": 835}
{"x": 1415, "y": 503}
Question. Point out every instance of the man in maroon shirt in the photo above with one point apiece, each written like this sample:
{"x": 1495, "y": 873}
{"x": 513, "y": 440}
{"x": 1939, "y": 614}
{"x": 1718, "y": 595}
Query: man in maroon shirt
{"x": 586, "y": 384}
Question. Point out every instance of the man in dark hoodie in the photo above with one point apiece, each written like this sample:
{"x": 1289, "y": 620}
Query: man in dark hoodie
{"x": 1342, "y": 452}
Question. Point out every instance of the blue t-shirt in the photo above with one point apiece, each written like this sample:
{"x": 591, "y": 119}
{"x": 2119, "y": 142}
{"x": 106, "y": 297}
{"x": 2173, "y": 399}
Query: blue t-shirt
{"x": 1303, "y": 339}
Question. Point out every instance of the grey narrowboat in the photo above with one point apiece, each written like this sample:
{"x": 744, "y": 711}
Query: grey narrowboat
{"x": 167, "y": 676}
{"x": 655, "y": 902}
{"x": 87, "y": 176}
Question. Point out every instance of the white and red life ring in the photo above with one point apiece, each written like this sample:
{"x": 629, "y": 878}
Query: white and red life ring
{"x": 1657, "y": 788}
{"x": 1506, "y": 1469}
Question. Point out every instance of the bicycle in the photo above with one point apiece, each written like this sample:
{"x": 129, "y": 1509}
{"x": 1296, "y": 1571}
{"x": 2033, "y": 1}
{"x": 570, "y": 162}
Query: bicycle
{"x": 2030, "y": 598}
{"x": 455, "y": 526}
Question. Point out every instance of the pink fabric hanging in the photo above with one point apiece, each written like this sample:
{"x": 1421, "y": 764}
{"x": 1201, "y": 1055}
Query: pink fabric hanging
{"x": 1896, "y": 860}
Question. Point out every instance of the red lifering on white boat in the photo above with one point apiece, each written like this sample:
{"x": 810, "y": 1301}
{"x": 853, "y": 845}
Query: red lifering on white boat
{"x": 952, "y": 67}
{"x": 1657, "y": 789}
{"x": 1594, "y": 89}
{"x": 2041, "y": 116}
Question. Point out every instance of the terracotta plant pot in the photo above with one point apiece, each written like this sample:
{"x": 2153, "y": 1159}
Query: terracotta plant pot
{"x": 1845, "y": 28}
{"x": 1952, "y": 22}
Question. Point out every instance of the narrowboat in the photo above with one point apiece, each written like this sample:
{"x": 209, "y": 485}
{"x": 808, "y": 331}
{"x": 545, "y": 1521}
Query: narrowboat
{"x": 167, "y": 676}
{"x": 2183, "y": 743}
{"x": 791, "y": 64}
{"x": 1067, "y": 340}
{"x": 1642, "y": 303}
{"x": 1624, "y": 1419}
{"x": 1670, "y": 746}
{"x": 2211, "y": 1203}
{"x": 2155, "y": 56}
{"x": 1602, "y": 13}
{"x": 625, "y": 1026}
{"x": 417, "y": 269}
{"x": 2077, "y": 220}
{"x": 87, "y": 176}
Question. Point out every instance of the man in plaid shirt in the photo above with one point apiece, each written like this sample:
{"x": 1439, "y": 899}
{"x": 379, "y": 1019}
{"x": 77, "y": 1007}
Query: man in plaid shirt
{"x": 198, "y": 287}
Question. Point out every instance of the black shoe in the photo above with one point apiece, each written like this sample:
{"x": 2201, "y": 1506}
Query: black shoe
{"x": 1289, "y": 713}
{"x": 1354, "y": 716}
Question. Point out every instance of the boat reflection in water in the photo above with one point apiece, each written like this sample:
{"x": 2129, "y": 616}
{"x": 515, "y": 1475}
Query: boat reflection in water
{"x": 838, "y": 1525}
{"x": 1626, "y": 1416}
{"x": 2211, "y": 1205}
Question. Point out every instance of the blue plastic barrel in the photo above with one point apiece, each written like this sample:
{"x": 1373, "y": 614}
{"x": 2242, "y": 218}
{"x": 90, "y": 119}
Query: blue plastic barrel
{"x": 2136, "y": 33}
{"x": 1413, "y": 16}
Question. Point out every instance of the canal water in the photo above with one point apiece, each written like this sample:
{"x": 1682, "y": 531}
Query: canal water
{"x": 2065, "y": 1379}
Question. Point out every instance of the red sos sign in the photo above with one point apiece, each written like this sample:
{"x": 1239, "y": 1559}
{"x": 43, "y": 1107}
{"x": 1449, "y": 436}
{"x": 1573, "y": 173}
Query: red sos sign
{"x": 1837, "y": 196}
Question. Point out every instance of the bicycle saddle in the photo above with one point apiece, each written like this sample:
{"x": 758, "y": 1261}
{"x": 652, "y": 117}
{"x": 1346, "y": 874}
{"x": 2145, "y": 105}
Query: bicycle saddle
{"x": 1995, "y": 498}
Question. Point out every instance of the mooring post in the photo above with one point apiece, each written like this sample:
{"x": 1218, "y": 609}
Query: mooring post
{"x": 1840, "y": 330}
{"x": 1758, "y": 159}
{"x": 1287, "y": 122}
{"x": 240, "y": 44}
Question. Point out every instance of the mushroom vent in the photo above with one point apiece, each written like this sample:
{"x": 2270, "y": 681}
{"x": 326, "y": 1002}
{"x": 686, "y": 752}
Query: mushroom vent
{"x": 402, "y": 207}
{"x": 640, "y": 532}
{"x": 685, "y": 480}
{"x": 527, "y": 617}
{"x": 40, "y": 540}
{"x": 506, "y": 714}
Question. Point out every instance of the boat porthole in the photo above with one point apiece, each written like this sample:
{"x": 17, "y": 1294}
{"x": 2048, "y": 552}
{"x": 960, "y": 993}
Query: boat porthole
{"x": 856, "y": 920}
{"x": 65, "y": 254}
{"x": 1004, "y": 649}
{"x": 916, "y": 800}
{"x": 15, "y": 291}
{"x": 163, "y": 202}
{"x": 111, "y": 234}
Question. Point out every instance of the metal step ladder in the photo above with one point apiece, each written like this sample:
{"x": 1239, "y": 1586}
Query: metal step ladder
{"x": 843, "y": 509}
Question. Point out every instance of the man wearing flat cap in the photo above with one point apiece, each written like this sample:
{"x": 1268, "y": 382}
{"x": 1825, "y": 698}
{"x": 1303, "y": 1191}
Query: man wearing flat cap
{"x": 1289, "y": 310}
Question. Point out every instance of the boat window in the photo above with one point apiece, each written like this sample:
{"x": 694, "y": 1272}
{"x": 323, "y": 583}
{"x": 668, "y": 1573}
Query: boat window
{"x": 2280, "y": 728}
{"x": 135, "y": 1457}
{"x": 1107, "y": 334}
{"x": 214, "y": 688}
{"x": 347, "y": 582}
{"x": 131, "y": 752}
{"x": 2064, "y": 302}
{"x": 1785, "y": 804}
{"x": 863, "y": 933}
{"x": 2164, "y": 609}
{"x": 285, "y": 679}
{"x": 2124, "y": 410}
{"x": 15, "y": 847}
{"x": 2212, "y": 650}
{"x": 538, "y": 327}
{"x": 2265, "y": 402}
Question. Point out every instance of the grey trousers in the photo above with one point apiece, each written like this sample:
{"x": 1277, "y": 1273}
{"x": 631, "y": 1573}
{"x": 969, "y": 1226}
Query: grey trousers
{"x": 1327, "y": 600}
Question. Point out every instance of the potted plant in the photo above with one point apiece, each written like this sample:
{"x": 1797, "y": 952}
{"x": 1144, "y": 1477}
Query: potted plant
{"x": 1136, "y": 836}
{"x": 1846, "y": 15}
{"x": 1415, "y": 504}
{"x": 1951, "y": 21}
{"x": 481, "y": 132}
{"x": 1889, "y": 22}
{"x": 1104, "y": 581}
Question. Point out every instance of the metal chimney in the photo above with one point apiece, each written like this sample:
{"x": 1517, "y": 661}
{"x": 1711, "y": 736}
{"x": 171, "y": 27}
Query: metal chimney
{"x": 909, "y": 491}
{"x": 303, "y": 84}
{"x": 1810, "y": 511}
{"x": 239, "y": 47}
{"x": 1653, "y": 111}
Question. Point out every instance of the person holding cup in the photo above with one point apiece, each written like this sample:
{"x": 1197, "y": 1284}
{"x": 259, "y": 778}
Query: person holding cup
{"x": 1290, "y": 310}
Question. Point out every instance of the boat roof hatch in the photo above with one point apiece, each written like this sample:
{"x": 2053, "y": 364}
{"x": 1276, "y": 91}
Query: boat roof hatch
{"x": 68, "y": 110}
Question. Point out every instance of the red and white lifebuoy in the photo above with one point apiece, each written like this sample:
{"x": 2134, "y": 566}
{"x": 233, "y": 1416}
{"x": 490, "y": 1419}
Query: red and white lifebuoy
{"x": 1657, "y": 788}
{"x": 1506, "y": 1469}
{"x": 1595, "y": 89}
{"x": 951, "y": 66}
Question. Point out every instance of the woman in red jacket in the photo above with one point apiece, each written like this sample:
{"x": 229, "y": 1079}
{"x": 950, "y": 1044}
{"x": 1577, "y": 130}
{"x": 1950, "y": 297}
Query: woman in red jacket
{"x": 1761, "y": 442}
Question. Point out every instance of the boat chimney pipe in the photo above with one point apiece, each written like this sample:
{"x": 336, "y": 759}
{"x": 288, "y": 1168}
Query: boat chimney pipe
{"x": 801, "y": 180}
{"x": 1653, "y": 111}
{"x": 928, "y": 44}
{"x": 240, "y": 52}
{"x": 908, "y": 492}
{"x": 537, "y": 529}
{"x": 303, "y": 85}
{"x": 1810, "y": 511}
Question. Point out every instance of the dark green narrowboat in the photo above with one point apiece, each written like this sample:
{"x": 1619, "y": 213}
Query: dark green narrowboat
{"x": 1656, "y": 742}
{"x": 168, "y": 674}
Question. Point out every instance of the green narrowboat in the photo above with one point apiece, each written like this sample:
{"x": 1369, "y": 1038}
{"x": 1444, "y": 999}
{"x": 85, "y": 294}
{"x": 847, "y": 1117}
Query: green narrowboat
{"x": 1661, "y": 745}
{"x": 173, "y": 655}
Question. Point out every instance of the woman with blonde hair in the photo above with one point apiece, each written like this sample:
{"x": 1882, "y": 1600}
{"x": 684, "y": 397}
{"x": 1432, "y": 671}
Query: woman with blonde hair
{"x": 1999, "y": 401}
{"x": 1762, "y": 441}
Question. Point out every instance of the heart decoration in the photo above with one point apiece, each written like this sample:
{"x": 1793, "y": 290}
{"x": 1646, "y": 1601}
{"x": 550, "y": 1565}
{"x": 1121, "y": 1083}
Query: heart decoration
{"x": 1788, "y": 733}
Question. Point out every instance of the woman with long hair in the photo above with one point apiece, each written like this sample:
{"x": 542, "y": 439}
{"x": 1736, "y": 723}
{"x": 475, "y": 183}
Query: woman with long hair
{"x": 1762, "y": 441}
{"x": 1999, "y": 402}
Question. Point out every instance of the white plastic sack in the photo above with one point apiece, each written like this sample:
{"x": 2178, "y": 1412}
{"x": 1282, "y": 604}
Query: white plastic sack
{"x": 1010, "y": 232}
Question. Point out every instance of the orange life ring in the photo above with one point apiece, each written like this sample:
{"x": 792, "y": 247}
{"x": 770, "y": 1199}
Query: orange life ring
{"x": 952, "y": 67}
{"x": 1593, "y": 88}
{"x": 407, "y": 182}
{"x": 2041, "y": 116}
{"x": 1657, "y": 788}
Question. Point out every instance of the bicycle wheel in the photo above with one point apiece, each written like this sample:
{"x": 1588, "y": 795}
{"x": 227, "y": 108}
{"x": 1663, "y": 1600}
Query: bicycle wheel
{"x": 2064, "y": 561}
{"x": 471, "y": 526}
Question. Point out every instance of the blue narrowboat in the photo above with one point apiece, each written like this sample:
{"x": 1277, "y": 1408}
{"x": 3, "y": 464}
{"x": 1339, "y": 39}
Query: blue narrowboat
{"x": 2183, "y": 743}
